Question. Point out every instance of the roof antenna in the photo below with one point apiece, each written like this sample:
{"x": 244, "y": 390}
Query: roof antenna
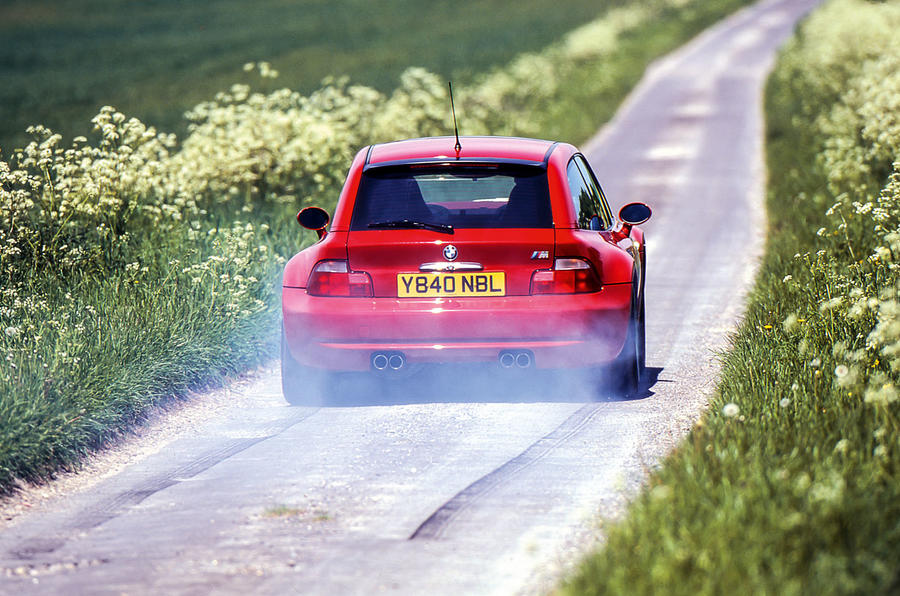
{"x": 458, "y": 146}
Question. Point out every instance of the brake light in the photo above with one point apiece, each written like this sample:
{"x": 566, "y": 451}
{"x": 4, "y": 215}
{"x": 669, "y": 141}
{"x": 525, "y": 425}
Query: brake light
{"x": 568, "y": 276}
{"x": 334, "y": 278}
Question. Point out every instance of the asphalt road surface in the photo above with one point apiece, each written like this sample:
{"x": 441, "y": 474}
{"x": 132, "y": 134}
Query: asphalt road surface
{"x": 459, "y": 483}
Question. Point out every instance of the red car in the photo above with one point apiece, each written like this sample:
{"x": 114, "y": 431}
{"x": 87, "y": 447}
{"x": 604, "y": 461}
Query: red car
{"x": 493, "y": 250}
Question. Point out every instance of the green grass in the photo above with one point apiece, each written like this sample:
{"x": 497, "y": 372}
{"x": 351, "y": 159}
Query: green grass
{"x": 98, "y": 351}
{"x": 61, "y": 60}
{"x": 799, "y": 492}
{"x": 287, "y": 512}
{"x": 118, "y": 295}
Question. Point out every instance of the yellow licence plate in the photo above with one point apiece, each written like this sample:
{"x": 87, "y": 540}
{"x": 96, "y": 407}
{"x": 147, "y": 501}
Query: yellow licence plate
{"x": 436, "y": 285}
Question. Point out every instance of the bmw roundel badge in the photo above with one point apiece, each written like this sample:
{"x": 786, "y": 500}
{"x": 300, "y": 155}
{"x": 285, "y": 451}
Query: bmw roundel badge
{"x": 450, "y": 252}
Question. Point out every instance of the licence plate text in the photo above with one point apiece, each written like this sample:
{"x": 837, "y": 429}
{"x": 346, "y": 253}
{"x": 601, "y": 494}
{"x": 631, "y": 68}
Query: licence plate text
{"x": 429, "y": 285}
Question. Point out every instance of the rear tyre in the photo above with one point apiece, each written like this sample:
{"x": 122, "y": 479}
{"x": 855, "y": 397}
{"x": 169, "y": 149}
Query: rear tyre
{"x": 629, "y": 366}
{"x": 642, "y": 343}
{"x": 301, "y": 385}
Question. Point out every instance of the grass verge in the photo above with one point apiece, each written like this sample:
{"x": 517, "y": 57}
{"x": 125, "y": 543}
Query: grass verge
{"x": 790, "y": 484}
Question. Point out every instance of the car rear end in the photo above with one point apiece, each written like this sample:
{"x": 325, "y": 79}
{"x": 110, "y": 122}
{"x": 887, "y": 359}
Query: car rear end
{"x": 453, "y": 261}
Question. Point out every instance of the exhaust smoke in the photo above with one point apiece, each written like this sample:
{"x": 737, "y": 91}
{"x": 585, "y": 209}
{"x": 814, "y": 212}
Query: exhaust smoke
{"x": 396, "y": 377}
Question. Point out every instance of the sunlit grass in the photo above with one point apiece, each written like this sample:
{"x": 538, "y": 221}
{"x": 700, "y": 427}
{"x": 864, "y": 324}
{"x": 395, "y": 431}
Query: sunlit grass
{"x": 281, "y": 511}
{"x": 289, "y": 512}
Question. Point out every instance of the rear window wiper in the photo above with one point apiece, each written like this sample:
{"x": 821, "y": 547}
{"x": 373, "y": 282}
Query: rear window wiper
{"x": 411, "y": 224}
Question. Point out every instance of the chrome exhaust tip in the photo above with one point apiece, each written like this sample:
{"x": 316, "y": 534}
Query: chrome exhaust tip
{"x": 523, "y": 359}
{"x": 516, "y": 358}
{"x": 388, "y": 361}
{"x": 396, "y": 361}
{"x": 379, "y": 361}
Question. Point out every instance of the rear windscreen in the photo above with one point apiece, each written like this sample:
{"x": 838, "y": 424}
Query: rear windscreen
{"x": 461, "y": 197}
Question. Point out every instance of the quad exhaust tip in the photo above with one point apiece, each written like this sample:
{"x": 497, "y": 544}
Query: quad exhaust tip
{"x": 523, "y": 359}
{"x": 396, "y": 361}
{"x": 379, "y": 361}
{"x": 383, "y": 361}
{"x": 516, "y": 358}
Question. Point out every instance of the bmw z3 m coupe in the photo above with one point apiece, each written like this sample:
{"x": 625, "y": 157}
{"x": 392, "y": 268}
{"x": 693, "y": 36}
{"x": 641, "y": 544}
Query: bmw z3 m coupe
{"x": 494, "y": 250}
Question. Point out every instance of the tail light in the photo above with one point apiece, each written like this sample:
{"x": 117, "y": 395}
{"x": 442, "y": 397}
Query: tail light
{"x": 568, "y": 276}
{"x": 334, "y": 278}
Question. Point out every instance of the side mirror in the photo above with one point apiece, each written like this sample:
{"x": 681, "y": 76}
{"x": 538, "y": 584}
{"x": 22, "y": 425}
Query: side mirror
{"x": 632, "y": 214}
{"x": 315, "y": 219}
{"x": 635, "y": 213}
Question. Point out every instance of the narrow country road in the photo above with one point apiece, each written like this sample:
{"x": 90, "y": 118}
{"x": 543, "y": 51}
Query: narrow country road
{"x": 462, "y": 484}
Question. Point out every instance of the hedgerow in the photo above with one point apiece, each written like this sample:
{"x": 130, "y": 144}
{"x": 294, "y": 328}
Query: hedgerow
{"x": 790, "y": 484}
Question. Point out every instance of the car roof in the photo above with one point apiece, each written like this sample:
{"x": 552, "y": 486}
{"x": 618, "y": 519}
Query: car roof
{"x": 548, "y": 155}
{"x": 435, "y": 149}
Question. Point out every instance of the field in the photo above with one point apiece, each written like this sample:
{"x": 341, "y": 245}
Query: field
{"x": 61, "y": 61}
{"x": 790, "y": 483}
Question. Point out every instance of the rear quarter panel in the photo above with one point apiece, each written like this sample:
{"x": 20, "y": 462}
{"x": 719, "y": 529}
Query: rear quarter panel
{"x": 297, "y": 270}
{"x": 571, "y": 241}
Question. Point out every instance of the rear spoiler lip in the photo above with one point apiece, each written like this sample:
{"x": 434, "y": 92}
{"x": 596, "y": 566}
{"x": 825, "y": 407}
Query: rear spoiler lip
{"x": 450, "y": 163}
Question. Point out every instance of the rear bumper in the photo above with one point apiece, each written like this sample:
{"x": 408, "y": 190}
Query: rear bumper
{"x": 562, "y": 331}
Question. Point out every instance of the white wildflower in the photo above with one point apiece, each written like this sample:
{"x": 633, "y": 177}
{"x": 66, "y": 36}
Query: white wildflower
{"x": 661, "y": 492}
{"x": 791, "y": 322}
{"x": 884, "y": 395}
{"x": 831, "y": 304}
{"x": 730, "y": 410}
{"x": 829, "y": 489}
